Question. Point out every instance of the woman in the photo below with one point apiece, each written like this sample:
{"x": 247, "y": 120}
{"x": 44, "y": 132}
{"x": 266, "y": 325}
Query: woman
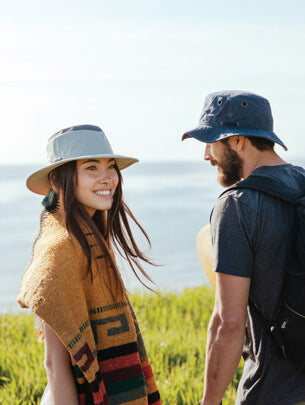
{"x": 94, "y": 352}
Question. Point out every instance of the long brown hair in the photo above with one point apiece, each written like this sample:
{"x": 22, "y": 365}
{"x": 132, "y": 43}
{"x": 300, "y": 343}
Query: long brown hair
{"x": 113, "y": 227}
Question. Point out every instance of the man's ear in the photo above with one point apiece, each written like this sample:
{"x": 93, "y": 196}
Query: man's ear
{"x": 237, "y": 143}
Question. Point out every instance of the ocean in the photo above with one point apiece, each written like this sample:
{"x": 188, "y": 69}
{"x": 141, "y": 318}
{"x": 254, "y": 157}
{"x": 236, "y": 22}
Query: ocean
{"x": 171, "y": 200}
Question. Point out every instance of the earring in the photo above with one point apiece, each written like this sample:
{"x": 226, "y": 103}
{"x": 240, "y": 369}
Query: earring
{"x": 51, "y": 201}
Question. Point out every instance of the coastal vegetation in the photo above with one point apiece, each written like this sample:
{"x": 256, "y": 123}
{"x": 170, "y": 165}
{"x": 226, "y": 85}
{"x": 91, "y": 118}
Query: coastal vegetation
{"x": 174, "y": 328}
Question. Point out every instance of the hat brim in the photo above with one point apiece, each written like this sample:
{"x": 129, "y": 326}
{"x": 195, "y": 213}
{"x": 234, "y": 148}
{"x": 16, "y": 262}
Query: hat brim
{"x": 211, "y": 135}
{"x": 38, "y": 182}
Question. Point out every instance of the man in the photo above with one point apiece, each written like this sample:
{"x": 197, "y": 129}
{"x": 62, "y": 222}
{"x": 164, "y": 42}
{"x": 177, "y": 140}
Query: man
{"x": 251, "y": 236}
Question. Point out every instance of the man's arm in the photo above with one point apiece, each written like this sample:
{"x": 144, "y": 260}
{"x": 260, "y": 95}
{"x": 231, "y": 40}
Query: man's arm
{"x": 225, "y": 335}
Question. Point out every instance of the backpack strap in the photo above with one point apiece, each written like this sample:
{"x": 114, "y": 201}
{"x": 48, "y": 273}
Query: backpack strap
{"x": 268, "y": 186}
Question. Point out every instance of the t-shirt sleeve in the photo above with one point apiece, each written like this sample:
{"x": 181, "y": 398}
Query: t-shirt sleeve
{"x": 233, "y": 229}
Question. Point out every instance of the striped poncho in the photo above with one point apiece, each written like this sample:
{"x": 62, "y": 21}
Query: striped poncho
{"x": 100, "y": 332}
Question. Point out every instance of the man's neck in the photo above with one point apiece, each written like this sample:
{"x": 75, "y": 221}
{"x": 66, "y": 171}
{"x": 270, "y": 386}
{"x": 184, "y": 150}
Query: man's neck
{"x": 265, "y": 158}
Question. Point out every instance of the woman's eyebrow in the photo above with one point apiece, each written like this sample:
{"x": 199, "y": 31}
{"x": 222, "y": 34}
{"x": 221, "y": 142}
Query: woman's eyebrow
{"x": 97, "y": 161}
{"x": 91, "y": 161}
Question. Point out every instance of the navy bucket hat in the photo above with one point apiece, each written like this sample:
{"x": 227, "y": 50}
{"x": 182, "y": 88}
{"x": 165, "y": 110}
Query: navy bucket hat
{"x": 234, "y": 112}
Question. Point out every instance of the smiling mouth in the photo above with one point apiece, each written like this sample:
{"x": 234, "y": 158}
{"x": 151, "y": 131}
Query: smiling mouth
{"x": 103, "y": 192}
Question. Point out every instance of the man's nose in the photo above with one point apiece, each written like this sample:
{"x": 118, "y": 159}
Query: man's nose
{"x": 207, "y": 152}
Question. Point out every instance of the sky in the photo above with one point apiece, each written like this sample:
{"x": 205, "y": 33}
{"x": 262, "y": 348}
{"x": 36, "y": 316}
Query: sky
{"x": 141, "y": 69}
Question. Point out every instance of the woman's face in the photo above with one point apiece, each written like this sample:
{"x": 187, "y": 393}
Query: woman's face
{"x": 96, "y": 182}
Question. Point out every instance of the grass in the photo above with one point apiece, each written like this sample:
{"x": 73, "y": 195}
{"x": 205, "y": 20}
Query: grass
{"x": 174, "y": 329}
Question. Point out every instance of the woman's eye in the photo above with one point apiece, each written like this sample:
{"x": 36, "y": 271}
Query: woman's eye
{"x": 112, "y": 166}
{"x": 91, "y": 168}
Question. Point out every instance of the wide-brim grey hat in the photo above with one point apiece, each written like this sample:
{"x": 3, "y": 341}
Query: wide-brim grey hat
{"x": 74, "y": 143}
{"x": 231, "y": 113}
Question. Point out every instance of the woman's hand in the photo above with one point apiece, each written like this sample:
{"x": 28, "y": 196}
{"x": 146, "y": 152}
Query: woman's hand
{"x": 59, "y": 372}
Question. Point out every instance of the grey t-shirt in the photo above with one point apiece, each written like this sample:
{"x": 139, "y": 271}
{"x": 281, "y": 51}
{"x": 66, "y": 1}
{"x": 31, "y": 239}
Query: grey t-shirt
{"x": 251, "y": 235}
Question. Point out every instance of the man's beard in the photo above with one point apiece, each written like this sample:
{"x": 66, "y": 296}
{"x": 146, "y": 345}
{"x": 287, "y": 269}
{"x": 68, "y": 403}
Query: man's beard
{"x": 230, "y": 167}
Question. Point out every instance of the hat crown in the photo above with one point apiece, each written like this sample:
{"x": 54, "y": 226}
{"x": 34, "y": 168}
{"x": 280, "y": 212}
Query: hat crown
{"x": 230, "y": 109}
{"x": 75, "y": 142}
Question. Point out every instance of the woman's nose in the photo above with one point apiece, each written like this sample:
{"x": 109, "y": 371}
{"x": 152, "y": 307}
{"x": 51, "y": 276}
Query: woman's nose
{"x": 104, "y": 176}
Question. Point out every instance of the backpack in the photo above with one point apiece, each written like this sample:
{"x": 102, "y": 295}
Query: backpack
{"x": 287, "y": 326}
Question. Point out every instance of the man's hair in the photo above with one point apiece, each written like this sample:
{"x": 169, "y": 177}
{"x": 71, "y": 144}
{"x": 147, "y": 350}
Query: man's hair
{"x": 261, "y": 144}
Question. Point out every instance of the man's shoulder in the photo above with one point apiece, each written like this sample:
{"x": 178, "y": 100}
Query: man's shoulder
{"x": 289, "y": 175}
{"x": 236, "y": 206}
{"x": 237, "y": 199}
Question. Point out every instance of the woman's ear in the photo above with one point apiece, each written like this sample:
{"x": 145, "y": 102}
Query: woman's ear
{"x": 51, "y": 180}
